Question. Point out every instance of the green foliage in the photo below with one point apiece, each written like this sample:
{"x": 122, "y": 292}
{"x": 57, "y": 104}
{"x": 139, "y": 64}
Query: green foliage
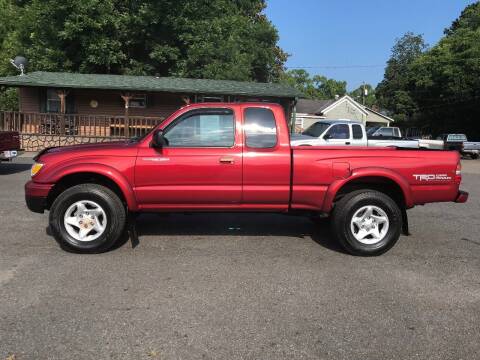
{"x": 438, "y": 88}
{"x": 218, "y": 39}
{"x": 316, "y": 87}
{"x": 9, "y": 99}
{"x": 392, "y": 93}
{"x": 446, "y": 86}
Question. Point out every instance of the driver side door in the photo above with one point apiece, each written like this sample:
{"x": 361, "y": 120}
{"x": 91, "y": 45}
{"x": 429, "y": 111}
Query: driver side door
{"x": 201, "y": 167}
{"x": 338, "y": 134}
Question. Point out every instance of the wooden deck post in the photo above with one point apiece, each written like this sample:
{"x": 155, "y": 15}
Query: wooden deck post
{"x": 62, "y": 94}
{"x": 126, "y": 98}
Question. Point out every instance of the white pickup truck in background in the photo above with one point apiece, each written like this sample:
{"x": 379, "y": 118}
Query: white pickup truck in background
{"x": 347, "y": 132}
{"x": 460, "y": 143}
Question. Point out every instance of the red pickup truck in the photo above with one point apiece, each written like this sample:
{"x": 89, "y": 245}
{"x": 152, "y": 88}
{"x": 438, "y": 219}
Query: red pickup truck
{"x": 223, "y": 157}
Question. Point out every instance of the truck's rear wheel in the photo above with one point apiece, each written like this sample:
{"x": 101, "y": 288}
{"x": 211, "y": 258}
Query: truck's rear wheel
{"x": 87, "y": 218}
{"x": 367, "y": 222}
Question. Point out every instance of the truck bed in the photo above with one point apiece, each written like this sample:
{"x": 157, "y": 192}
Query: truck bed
{"x": 471, "y": 145}
{"x": 429, "y": 175}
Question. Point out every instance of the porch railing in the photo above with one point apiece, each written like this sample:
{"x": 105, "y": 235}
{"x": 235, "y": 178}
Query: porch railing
{"x": 77, "y": 125}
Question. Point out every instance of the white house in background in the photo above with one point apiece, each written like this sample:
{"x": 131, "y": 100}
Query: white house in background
{"x": 311, "y": 111}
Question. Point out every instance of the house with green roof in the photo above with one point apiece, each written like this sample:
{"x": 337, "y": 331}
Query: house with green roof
{"x": 62, "y": 108}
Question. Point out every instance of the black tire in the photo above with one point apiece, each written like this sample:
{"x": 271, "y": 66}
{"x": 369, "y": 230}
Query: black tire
{"x": 346, "y": 208}
{"x": 474, "y": 156}
{"x": 111, "y": 204}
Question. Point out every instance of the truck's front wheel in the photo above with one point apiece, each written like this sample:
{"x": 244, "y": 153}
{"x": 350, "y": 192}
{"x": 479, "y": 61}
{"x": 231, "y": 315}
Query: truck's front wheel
{"x": 367, "y": 222}
{"x": 87, "y": 218}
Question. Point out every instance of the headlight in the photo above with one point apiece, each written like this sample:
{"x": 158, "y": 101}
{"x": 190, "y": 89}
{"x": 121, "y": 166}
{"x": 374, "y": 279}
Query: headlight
{"x": 35, "y": 168}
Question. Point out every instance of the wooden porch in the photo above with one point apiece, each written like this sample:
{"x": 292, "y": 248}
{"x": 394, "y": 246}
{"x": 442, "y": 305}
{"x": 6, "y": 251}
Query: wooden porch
{"x": 102, "y": 126}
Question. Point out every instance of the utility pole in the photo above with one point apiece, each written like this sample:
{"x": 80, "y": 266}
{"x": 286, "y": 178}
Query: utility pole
{"x": 364, "y": 93}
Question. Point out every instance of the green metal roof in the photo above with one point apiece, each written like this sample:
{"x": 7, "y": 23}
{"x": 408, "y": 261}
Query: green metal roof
{"x": 149, "y": 83}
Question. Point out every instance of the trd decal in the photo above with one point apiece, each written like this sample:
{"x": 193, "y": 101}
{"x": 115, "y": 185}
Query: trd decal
{"x": 432, "y": 177}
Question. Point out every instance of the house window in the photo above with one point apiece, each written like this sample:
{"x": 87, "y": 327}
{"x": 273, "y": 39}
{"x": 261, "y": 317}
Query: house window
{"x": 206, "y": 98}
{"x": 53, "y": 101}
{"x": 138, "y": 101}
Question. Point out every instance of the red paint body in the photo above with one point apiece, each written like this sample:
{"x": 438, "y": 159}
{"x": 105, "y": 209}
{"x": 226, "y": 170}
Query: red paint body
{"x": 277, "y": 179}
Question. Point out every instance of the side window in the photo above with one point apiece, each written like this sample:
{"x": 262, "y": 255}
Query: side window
{"x": 357, "y": 132}
{"x": 385, "y": 132}
{"x": 260, "y": 128}
{"x": 209, "y": 128}
{"x": 339, "y": 131}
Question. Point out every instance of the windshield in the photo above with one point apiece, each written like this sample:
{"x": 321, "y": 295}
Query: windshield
{"x": 316, "y": 129}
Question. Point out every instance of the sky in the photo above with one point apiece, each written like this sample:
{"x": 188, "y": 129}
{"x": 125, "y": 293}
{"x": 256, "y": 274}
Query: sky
{"x": 351, "y": 40}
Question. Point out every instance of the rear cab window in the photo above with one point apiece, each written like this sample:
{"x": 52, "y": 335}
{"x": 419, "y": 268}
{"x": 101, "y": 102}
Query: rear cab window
{"x": 357, "y": 132}
{"x": 260, "y": 128}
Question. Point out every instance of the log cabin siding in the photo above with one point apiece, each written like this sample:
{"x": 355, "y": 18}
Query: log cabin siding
{"x": 109, "y": 103}
{"x": 29, "y": 99}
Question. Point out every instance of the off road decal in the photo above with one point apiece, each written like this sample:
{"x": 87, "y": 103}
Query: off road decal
{"x": 432, "y": 177}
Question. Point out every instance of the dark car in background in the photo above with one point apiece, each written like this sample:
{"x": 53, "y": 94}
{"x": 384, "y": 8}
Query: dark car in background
{"x": 9, "y": 145}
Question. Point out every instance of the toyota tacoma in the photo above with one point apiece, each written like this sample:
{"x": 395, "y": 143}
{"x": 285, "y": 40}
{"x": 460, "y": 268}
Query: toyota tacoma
{"x": 236, "y": 157}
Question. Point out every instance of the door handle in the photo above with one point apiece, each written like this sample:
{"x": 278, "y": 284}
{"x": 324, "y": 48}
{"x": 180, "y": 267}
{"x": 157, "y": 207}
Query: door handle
{"x": 227, "y": 160}
{"x": 347, "y": 143}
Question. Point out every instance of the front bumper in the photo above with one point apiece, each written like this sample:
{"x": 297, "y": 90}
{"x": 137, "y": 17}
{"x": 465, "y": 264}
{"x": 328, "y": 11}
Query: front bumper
{"x": 36, "y": 196}
{"x": 462, "y": 197}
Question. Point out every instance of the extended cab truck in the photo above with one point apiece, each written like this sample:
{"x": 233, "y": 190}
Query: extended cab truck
{"x": 460, "y": 143}
{"x": 236, "y": 157}
{"x": 394, "y": 133}
{"x": 352, "y": 133}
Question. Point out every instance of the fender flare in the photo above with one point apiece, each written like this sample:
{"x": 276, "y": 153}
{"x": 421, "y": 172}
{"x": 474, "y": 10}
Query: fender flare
{"x": 368, "y": 172}
{"x": 100, "y": 169}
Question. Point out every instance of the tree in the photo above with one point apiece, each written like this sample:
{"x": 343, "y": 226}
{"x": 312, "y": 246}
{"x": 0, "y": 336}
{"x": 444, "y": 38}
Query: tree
{"x": 316, "y": 87}
{"x": 439, "y": 88}
{"x": 393, "y": 91}
{"x": 445, "y": 82}
{"x": 8, "y": 96}
{"x": 217, "y": 39}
